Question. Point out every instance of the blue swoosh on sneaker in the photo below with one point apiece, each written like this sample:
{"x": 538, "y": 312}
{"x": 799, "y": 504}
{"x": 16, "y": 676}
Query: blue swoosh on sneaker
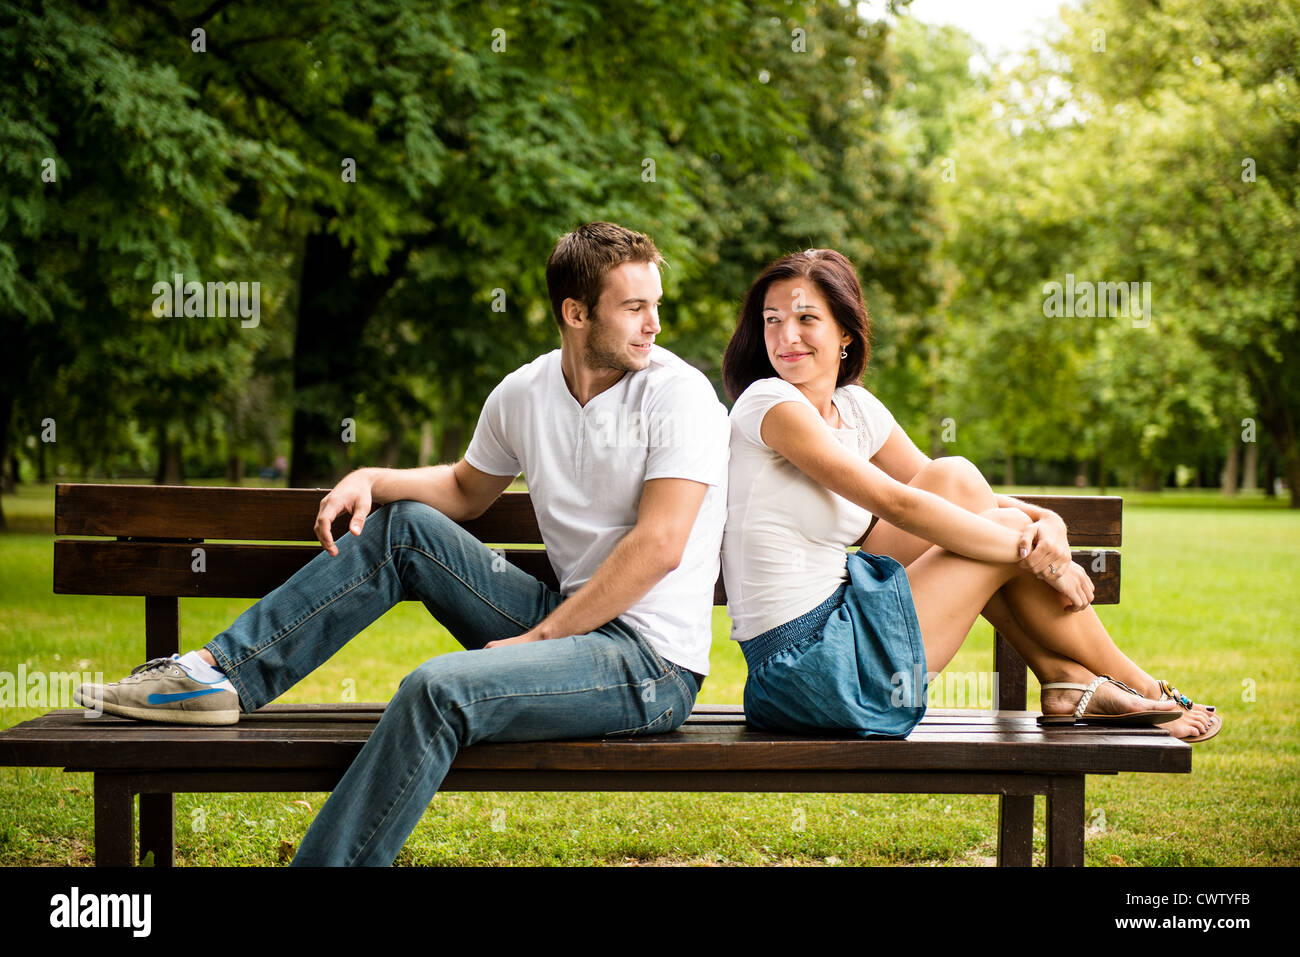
{"x": 180, "y": 696}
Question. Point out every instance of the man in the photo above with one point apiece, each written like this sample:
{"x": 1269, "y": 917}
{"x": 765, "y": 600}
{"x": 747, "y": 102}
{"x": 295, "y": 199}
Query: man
{"x": 624, "y": 448}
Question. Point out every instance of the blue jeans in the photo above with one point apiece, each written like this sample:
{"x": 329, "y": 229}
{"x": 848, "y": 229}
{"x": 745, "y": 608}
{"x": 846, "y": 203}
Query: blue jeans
{"x": 607, "y": 682}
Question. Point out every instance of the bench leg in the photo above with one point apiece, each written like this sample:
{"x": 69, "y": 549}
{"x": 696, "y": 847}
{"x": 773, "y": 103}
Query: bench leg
{"x": 1065, "y": 822}
{"x": 158, "y": 828}
{"x": 1015, "y": 830}
{"x": 114, "y": 821}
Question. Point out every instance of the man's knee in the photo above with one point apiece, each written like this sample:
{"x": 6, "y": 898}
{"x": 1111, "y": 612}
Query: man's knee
{"x": 437, "y": 685}
{"x": 409, "y": 520}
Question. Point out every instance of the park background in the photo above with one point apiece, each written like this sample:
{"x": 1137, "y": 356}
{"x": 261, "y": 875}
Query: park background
{"x": 393, "y": 175}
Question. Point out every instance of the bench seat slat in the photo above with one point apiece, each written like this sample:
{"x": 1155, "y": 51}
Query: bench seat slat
{"x": 66, "y": 739}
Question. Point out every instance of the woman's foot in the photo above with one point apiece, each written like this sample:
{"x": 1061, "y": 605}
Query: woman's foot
{"x": 1166, "y": 691}
{"x": 1110, "y": 698}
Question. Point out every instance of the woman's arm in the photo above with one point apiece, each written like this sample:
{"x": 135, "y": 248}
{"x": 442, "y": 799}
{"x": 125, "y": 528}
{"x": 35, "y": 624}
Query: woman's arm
{"x": 902, "y": 460}
{"x": 798, "y": 433}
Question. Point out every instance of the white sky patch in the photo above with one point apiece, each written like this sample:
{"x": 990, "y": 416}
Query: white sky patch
{"x": 1003, "y": 27}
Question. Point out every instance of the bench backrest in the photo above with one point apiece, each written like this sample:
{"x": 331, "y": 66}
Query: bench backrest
{"x": 154, "y": 539}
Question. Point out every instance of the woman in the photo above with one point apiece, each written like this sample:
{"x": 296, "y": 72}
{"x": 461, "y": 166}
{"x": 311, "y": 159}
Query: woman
{"x": 839, "y": 641}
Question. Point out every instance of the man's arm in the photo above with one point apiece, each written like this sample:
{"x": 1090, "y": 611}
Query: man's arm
{"x": 459, "y": 491}
{"x": 649, "y": 551}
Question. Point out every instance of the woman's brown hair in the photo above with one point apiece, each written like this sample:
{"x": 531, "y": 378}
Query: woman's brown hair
{"x": 746, "y": 361}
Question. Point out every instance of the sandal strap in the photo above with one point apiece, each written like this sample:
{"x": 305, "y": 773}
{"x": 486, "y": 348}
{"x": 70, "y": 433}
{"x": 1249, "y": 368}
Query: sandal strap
{"x": 1087, "y": 690}
{"x": 1167, "y": 690}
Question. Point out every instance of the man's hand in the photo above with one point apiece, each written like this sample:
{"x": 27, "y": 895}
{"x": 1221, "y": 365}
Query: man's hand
{"x": 517, "y": 640}
{"x": 1045, "y": 549}
{"x": 651, "y": 549}
{"x": 351, "y": 495}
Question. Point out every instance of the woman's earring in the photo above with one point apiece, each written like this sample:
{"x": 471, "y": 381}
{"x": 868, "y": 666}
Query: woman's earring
{"x": 844, "y": 354}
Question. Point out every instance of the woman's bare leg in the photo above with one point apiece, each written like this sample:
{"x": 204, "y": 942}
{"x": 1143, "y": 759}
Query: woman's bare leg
{"x": 1058, "y": 645}
{"x": 948, "y": 591}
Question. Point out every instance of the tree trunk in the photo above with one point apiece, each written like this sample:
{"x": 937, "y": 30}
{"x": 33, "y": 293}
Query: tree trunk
{"x": 333, "y": 311}
{"x": 6, "y": 413}
{"x": 390, "y": 452}
{"x": 170, "y": 471}
{"x": 235, "y": 469}
{"x": 1232, "y": 466}
{"x": 425, "y": 455}
{"x": 452, "y": 436}
{"x": 1009, "y": 469}
{"x": 1149, "y": 480}
{"x": 1249, "y": 480}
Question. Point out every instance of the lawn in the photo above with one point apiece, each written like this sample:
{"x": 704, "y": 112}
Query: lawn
{"x": 1208, "y": 602}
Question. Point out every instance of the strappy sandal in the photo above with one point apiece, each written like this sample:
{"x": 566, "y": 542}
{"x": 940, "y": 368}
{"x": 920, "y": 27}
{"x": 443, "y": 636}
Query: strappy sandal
{"x": 1130, "y": 719}
{"x": 1169, "y": 692}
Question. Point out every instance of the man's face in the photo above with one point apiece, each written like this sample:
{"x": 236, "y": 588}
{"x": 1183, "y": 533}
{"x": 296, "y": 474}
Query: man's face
{"x": 626, "y": 321}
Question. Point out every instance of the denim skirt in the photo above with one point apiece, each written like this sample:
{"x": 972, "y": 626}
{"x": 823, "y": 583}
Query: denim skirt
{"x": 854, "y": 663}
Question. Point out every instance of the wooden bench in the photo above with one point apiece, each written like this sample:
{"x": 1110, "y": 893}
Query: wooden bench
{"x": 147, "y": 548}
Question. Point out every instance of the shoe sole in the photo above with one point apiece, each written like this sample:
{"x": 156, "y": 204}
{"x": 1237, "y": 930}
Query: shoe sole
{"x": 165, "y": 716}
{"x": 1136, "y": 719}
{"x": 1200, "y": 739}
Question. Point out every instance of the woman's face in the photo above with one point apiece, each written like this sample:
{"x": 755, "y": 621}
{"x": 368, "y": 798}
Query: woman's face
{"x": 803, "y": 339}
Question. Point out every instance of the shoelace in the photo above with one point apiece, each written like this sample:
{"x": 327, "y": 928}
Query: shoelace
{"x": 152, "y": 664}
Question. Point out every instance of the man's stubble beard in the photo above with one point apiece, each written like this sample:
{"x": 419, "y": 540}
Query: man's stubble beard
{"x": 597, "y": 355}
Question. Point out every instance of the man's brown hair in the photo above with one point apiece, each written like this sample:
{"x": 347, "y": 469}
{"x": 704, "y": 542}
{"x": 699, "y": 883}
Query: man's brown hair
{"x": 581, "y": 260}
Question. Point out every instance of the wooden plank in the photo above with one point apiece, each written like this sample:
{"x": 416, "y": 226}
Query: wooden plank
{"x": 114, "y": 821}
{"x": 169, "y": 511}
{"x": 231, "y": 571}
{"x": 1065, "y": 823}
{"x": 263, "y": 514}
{"x": 251, "y": 571}
{"x": 275, "y": 779}
{"x": 722, "y": 750}
{"x": 1010, "y": 668}
{"x": 256, "y": 514}
{"x": 1015, "y": 830}
{"x": 1093, "y": 520}
{"x": 158, "y": 828}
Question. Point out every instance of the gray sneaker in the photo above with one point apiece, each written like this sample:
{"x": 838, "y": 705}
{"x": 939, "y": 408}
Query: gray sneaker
{"x": 162, "y": 690}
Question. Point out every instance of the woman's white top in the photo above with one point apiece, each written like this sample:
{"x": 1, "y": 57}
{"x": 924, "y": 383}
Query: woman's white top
{"x": 784, "y": 545}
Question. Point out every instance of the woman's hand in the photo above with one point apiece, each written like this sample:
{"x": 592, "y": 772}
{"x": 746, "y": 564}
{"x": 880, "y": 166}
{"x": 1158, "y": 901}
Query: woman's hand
{"x": 1045, "y": 549}
{"x": 1075, "y": 586}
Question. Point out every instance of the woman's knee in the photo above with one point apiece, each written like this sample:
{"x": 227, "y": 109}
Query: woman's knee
{"x": 957, "y": 479}
{"x": 1010, "y": 517}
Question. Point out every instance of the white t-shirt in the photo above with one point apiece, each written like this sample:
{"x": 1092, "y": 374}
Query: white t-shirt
{"x": 784, "y": 548}
{"x": 586, "y": 465}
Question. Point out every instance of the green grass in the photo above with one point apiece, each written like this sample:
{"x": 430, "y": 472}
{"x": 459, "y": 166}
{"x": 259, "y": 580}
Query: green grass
{"x": 1208, "y": 601}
